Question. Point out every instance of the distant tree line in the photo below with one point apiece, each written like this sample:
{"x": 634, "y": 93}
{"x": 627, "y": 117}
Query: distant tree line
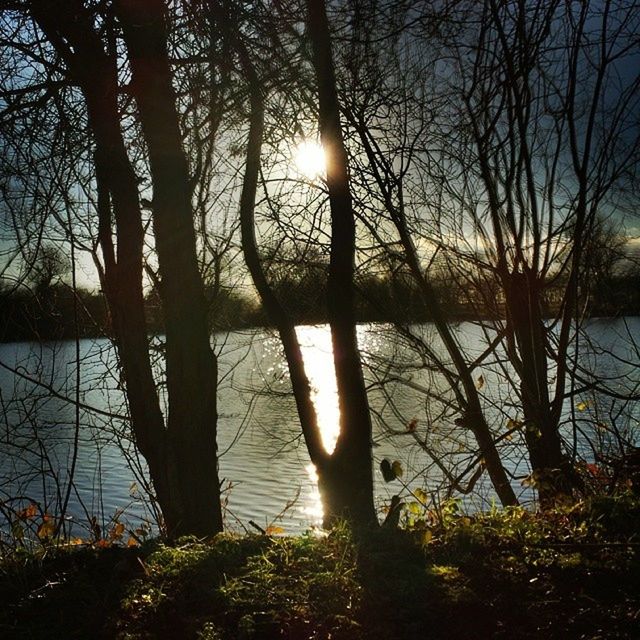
{"x": 45, "y": 311}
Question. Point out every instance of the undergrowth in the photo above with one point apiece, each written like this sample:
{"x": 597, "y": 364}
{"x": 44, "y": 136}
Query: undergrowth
{"x": 568, "y": 573}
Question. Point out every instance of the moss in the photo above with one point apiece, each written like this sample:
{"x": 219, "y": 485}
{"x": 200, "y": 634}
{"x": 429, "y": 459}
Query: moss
{"x": 573, "y": 572}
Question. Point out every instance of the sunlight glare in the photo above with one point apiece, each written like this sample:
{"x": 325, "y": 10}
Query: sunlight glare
{"x": 310, "y": 159}
{"x": 314, "y": 509}
{"x": 317, "y": 352}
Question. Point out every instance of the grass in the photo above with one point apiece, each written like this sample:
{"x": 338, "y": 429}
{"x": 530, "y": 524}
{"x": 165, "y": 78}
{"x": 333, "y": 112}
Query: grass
{"x": 571, "y": 573}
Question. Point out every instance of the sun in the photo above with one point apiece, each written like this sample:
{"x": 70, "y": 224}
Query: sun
{"x": 310, "y": 159}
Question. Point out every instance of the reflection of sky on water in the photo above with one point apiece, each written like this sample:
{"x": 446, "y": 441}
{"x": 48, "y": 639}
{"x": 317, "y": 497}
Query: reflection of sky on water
{"x": 263, "y": 456}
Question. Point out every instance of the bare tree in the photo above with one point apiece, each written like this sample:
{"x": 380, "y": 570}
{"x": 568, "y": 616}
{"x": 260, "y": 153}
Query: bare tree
{"x": 503, "y": 164}
{"x": 344, "y": 475}
{"x": 83, "y": 41}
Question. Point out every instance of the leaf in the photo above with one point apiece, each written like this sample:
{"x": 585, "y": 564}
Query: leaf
{"x": 273, "y": 530}
{"x": 513, "y": 424}
{"x": 480, "y": 382}
{"x": 532, "y": 430}
{"x": 528, "y": 481}
{"x": 132, "y": 542}
{"x": 102, "y": 544}
{"x": 387, "y": 471}
{"x": 421, "y": 496}
{"x": 397, "y": 469}
{"x": 17, "y": 530}
{"x": 412, "y": 426}
{"x": 581, "y": 406}
{"x": 29, "y": 512}
{"x": 427, "y": 536}
{"x": 117, "y": 531}
{"x": 47, "y": 528}
{"x": 415, "y": 508}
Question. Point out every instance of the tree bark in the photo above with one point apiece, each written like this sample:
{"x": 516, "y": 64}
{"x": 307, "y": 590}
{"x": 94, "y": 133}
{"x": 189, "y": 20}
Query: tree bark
{"x": 182, "y": 457}
{"x": 347, "y": 479}
{"x": 552, "y": 471}
{"x": 191, "y": 365}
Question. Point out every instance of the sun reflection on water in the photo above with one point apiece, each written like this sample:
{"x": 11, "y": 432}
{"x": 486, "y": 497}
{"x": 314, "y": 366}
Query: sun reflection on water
{"x": 317, "y": 351}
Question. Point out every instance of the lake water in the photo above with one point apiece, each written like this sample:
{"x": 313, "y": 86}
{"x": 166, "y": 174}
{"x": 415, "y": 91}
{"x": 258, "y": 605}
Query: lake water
{"x": 266, "y": 470}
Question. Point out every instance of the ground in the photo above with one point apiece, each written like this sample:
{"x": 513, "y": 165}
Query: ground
{"x": 570, "y": 573}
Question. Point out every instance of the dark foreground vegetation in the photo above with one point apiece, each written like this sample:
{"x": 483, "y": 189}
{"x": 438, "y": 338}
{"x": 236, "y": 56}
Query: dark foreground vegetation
{"x": 569, "y": 573}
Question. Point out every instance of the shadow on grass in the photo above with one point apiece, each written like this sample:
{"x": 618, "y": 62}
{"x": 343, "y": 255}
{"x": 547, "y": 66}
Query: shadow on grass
{"x": 510, "y": 575}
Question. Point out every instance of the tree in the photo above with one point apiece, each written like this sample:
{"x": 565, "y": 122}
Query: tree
{"x": 344, "y": 475}
{"x": 528, "y": 141}
{"x": 388, "y": 110}
{"x": 181, "y": 453}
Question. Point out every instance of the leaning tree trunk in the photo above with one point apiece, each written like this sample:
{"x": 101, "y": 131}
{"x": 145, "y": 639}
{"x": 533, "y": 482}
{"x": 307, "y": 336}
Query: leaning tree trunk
{"x": 346, "y": 479}
{"x": 191, "y": 366}
{"x": 181, "y": 458}
{"x": 69, "y": 29}
{"x": 333, "y": 478}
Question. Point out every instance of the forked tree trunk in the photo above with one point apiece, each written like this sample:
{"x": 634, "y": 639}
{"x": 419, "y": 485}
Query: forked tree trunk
{"x": 552, "y": 472}
{"x": 344, "y": 477}
{"x": 181, "y": 458}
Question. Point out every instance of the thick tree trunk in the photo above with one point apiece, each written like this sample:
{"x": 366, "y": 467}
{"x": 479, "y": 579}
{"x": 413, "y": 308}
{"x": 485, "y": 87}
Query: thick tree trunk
{"x": 552, "y": 471}
{"x": 190, "y": 362}
{"x": 342, "y": 490}
{"x": 347, "y": 480}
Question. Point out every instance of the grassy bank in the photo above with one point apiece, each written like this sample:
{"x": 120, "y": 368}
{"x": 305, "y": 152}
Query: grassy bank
{"x": 572, "y": 573}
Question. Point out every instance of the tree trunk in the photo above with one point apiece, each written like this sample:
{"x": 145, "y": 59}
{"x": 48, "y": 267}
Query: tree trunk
{"x": 347, "y": 480}
{"x": 551, "y": 469}
{"x": 69, "y": 29}
{"x": 182, "y": 458}
{"x": 341, "y": 489}
{"x": 190, "y": 362}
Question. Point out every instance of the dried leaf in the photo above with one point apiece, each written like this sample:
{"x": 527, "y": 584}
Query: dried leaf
{"x": 480, "y": 383}
{"x": 387, "y": 471}
{"x": 273, "y": 530}
{"x": 117, "y": 531}
{"x": 29, "y": 512}
{"x": 397, "y": 469}
{"x": 47, "y": 528}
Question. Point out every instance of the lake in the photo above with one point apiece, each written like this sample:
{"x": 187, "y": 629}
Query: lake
{"x": 266, "y": 470}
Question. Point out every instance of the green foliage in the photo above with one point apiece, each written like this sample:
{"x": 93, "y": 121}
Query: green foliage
{"x": 510, "y": 573}
{"x": 301, "y": 584}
